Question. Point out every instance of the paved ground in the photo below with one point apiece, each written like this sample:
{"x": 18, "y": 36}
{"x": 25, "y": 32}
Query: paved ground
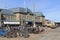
{"x": 53, "y": 34}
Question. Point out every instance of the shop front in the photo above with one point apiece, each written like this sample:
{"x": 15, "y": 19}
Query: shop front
{"x": 11, "y": 24}
{"x": 39, "y": 24}
{"x": 30, "y": 23}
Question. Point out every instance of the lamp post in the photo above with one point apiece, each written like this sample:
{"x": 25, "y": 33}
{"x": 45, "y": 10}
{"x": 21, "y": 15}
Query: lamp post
{"x": 25, "y": 5}
{"x": 33, "y": 10}
{"x": 34, "y": 13}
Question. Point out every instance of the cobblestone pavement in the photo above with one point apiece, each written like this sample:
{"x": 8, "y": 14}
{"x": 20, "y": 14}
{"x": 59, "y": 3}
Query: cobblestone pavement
{"x": 53, "y": 34}
{"x": 49, "y": 34}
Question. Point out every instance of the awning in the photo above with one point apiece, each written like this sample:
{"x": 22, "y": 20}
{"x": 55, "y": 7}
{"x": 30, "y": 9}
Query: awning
{"x": 11, "y": 22}
{"x": 28, "y": 20}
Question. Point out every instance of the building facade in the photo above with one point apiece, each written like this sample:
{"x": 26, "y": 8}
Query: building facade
{"x": 17, "y": 17}
{"x": 49, "y": 23}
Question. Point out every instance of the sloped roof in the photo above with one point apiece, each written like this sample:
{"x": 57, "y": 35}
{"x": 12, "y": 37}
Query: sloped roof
{"x": 38, "y": 14}
{"x": 5, "y": 11}
{"x": 20, "y": 9}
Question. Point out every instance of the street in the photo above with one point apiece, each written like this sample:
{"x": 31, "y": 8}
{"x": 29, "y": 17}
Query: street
{"x": 49, "y": 34}
{"x": 53, "y": 34}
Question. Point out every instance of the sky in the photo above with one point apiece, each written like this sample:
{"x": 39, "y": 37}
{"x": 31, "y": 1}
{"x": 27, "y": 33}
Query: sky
{"x": 50, "y": 8}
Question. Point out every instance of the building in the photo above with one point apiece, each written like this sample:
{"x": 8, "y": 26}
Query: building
{"x": 17, "y": 17}
{"x": 40, "y": 18}
{"x": 57, "y": 24}
{"x": 7, "y": 18}
{"x": 49, "y": 23}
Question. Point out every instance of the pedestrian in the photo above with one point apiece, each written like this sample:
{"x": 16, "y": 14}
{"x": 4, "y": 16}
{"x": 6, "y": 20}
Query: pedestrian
{"x": 20, "y": 31}
{"x": 26, "y": 34}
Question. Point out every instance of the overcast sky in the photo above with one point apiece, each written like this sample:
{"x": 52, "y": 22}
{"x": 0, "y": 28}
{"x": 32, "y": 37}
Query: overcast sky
{"x": 50, "y": 8}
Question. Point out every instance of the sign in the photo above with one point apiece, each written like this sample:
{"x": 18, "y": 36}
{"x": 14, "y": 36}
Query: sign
{"x": 11, "y": 22}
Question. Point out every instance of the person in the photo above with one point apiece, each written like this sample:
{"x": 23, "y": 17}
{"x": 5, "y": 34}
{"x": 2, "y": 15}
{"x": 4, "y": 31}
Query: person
{"x": 14, "y": 31}
{"x": 0, "y": 28}
{"x": 23, "y": 30}
{"x": 26, "y": 33}
{"x": 20, "y": 31}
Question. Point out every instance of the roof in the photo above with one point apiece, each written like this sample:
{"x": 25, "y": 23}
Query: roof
{"x": 20, "y": 9}
{"x": 5, "y": 11}
{"x": 38, "y": 14}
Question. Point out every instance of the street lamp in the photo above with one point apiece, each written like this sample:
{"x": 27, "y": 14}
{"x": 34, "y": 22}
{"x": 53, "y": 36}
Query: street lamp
{"x": 25, "y": 5}
{"x": 33, "y": 10}
{"x": 34, "y": 13}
